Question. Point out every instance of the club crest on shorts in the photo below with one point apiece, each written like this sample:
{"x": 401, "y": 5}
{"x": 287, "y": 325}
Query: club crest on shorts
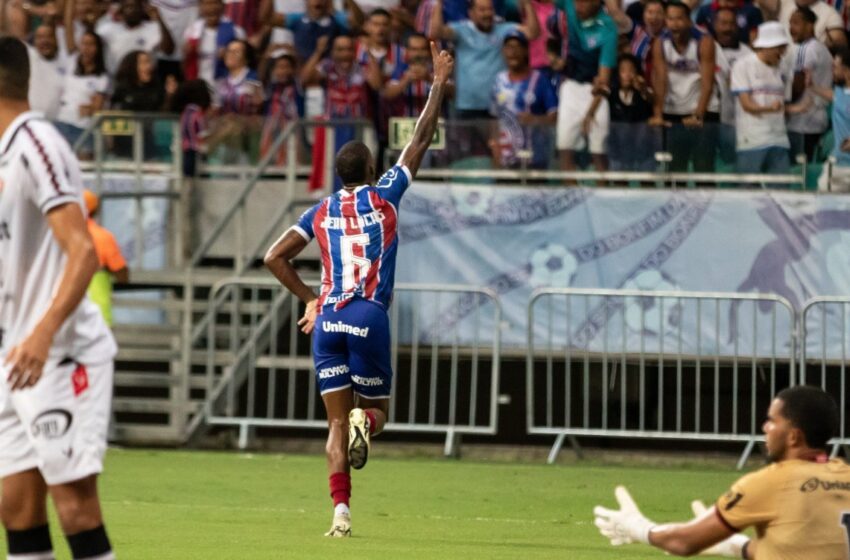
{"x": 52, "y": 424}
{"x": 80, "y": 380}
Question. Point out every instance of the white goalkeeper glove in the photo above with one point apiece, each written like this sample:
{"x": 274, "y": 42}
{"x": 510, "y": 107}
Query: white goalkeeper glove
{"x": 626, "y": 525}
{"x": 731, "y": 548}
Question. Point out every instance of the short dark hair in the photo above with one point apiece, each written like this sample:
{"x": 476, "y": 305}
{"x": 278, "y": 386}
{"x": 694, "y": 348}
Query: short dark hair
{"x": 726, "y": 9}
{"x": 379, "y": 12}
{"x": 812, "y": 411}
{"x": 352, "y": 163}
{"x": 419, "y": 36}
{"x": 632, "y": 59}
{"x": 250, "y": 53}
{"x": 808, "y": 14}
{"x": 648, "y": 2}
{"x": 14, "y": 69}
{"x": 678, "y": 4}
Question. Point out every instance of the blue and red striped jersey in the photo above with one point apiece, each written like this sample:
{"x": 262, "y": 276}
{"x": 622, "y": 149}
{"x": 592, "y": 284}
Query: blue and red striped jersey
{"x": 357, "y": 232}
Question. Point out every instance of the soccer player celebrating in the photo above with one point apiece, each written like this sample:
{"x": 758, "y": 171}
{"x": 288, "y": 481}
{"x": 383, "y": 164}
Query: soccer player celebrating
{"x": 799, "y": 505}
{"x": 357, "y": 232}
{"x": 55, "y": 349}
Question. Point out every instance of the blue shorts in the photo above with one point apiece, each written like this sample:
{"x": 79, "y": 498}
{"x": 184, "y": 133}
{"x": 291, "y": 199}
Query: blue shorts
{"x": 351, "y": 348}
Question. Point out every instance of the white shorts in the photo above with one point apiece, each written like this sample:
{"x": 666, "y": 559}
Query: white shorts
{"x": 574, "y": 99}
{"x": 840, "y": 180}
{"x": 59, "y": 426}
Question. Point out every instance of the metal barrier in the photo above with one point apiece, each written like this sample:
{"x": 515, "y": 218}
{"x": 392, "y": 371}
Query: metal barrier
{"x": 598, "y": 363}
{"x": 444, "y": 383}
{"x": 824, "y": 329}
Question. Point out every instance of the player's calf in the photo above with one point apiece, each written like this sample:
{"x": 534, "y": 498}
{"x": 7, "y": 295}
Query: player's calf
{"x": 78, "y": 508}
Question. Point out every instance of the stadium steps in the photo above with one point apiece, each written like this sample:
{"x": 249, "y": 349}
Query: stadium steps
{"x": 156, "y": 394}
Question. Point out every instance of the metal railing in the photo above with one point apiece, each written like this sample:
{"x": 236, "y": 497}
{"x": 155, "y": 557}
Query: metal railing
{"x": 824, "y": 350}
{"x": 447, "y": 387}
{"x": 600, "y": 363}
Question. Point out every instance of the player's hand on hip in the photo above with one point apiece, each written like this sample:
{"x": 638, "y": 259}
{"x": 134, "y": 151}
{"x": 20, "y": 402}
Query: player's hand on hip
{"x": 308, "y": 321}
{"x": 623, "y": 526}
{"x": 731, "y": 547}
{"x": 26, "y": 361}
{"x": 444, "y": 64}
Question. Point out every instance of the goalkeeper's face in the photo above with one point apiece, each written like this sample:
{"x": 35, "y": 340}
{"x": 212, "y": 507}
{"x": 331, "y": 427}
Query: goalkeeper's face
{"x": 777, "y": 430}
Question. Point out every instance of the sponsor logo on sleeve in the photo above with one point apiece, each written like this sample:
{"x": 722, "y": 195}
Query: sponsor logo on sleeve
{"x": 813, "y": 484}
{"x": 732, "y": 499}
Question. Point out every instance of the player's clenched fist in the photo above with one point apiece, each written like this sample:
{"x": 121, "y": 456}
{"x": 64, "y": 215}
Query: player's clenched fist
{"x": 444, "y": 64}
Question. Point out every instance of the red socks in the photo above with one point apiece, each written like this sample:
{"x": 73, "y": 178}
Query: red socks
{"x": 340, "y": 484}
{"x": 372, "y": 424}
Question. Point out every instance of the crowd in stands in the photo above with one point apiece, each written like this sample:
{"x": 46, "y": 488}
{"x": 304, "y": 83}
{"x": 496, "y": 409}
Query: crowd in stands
{"x": 742, "y": 83}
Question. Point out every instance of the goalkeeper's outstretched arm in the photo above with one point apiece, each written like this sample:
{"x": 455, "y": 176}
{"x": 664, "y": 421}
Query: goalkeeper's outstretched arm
{"x": 706, "y": 534}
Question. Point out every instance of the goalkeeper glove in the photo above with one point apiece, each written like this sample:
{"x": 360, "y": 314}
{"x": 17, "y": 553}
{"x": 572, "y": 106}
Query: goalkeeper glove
{"x": 732, "y": 547}
{"x": 626, "y": 525}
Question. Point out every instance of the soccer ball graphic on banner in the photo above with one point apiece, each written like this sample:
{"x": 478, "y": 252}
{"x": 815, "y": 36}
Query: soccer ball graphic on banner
{"x": 644, "y": 314}
{"x": 552, "y": 265}
{"x": 471, "y": 202}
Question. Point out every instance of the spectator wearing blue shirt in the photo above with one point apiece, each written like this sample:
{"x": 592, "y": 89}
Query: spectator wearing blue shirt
{"x": 319, "y": 20}
{"x": 525, "y": 105}
{"x": 748, "y": 17}
{"x": 836, "y": 177}
{"x": 589, "y": 40}
{"x": 478, "y": 54}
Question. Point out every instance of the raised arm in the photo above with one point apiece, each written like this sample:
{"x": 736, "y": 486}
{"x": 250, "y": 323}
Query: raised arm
{"x": 531, "y": 26}
{"x": 310, "y": 72}
{"x": 439, "y": 31}
{"x": 413, "y": 153}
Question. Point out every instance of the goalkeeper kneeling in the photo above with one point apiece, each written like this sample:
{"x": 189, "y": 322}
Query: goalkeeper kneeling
{"x": 799, "y": 505}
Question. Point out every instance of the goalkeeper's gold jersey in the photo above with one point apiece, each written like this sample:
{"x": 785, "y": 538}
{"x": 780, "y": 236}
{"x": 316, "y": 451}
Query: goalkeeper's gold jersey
{"x": 800, "y": 510}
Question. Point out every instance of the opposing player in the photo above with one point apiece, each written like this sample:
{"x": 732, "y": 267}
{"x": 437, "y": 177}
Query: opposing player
{"x": 799, "y": 505}
{"x": 55, "y": 349}
{"x": 357, "y": 232}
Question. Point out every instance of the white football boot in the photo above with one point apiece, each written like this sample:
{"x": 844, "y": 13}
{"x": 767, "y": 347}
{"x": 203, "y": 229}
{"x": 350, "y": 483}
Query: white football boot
{"x": 341, "y": 526}
{"x": 358, "y": 438}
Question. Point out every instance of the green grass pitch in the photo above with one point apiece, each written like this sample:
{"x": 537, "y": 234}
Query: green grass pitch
{"x": 208, "y": 505}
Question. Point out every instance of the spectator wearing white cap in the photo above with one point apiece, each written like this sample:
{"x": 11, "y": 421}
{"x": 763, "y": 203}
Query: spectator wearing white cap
{"x": 762, "y": 85}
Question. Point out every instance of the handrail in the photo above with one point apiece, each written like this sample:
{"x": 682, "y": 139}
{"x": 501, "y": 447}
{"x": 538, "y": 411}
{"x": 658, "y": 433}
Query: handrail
{"x": 264, "y": 164}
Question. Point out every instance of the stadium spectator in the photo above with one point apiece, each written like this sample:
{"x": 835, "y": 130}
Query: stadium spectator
{"x": 761, "y": 87}
{"x": 409, "y": 86}
{"x": 319, "y": 20}
{"x": 543, "y": 9}
{"x": 589, "y": 44}
{"x": 113, "y": 268}
{"x": 284, "y": 100}
{"x": 525, "y": 106}
{"x": 48, "y": 67}
{"x": 829, "y": 28}
{"x": 479, "y": 59}
{"x": 453, "y": 10}
{"x": 84, "y": 89}
{"x": 730, "y": 50}
{"x": 836, "y": 178}
{"x": 792, "y": 518}
{"x": 747, "y": 16}
{"x": 193, "y": 101}
{"x": 810, "y": 58}
{"x": 81, "y": 16}
{"x": 683, "y": 65}
{"x": 403, "y": 22}
{"x": 632, "y": 143}
{"x": 137, "y": 87}
{"x": 140, "y": 28}
{"x": 643, "y": 34}
{"x": 177, "y": 16}
{"x": 346, "y": 88}
{"x": 206, "y": 40}
{"x": 278, "y": 36}
{"x": 238, "y": 101}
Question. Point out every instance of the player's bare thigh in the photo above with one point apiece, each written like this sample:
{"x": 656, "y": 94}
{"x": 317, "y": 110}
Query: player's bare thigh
{"x": 24, "y": 502}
